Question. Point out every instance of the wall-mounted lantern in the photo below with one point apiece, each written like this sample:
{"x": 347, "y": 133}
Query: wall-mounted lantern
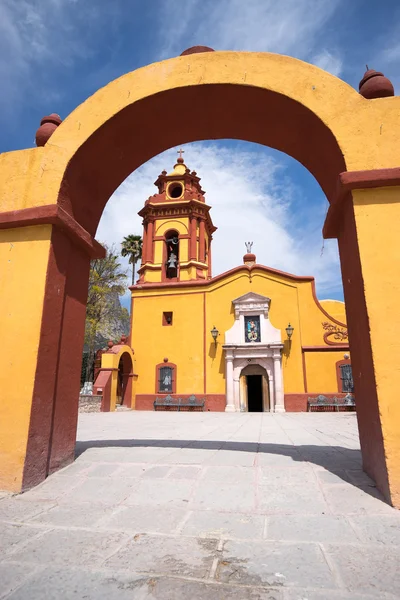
{"x": 215, "y": 334}
{"x": 289, "y": 331}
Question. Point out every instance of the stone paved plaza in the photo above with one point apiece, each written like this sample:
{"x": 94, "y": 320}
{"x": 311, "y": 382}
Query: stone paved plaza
{"x": 204, "y": 506}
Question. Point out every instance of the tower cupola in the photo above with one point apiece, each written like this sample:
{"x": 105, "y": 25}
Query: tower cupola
{"x": 177, "y": 229}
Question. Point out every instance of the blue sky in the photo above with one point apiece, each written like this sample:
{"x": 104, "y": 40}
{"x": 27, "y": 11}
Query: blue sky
{"x": 56, "y": 53}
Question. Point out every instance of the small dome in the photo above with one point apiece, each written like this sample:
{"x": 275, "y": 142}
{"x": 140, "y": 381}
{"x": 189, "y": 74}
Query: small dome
{"x": 196, "y": 50}
{"x": 375, "y": 85}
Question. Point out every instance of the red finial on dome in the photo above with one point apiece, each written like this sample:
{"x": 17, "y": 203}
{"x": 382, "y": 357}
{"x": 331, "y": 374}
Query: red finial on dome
{"x": 110, "y": 344}
{"x": 197, "y": 50}
{"x": 375, "y": 85}
{"x": 48, "y": 125}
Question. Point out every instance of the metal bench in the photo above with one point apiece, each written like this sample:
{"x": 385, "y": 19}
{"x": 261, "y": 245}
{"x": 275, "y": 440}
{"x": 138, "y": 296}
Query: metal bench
{"x": 170, "y": 403}
{"x": 167, "y": 403}
{"x": 192, "y": 403}
{"x": 348, "y": 403}
{"x": 322, "y": 403}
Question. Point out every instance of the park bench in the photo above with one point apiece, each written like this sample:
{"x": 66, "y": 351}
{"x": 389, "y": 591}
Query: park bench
{"x": 322, "y": 403}
{"x": 191, "y": 403}
{"x": 325, "y": 404}
{"x": 170, "y": 403}
{"x": 167, "y": 403}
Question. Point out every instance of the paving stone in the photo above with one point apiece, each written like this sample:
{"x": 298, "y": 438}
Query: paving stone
{"x": 188, "y": 457}
{"x": 158, "y": 492}
{"x": 13, "y": 575}
{"x": 282, "y": 477}
{"x": 156, "y": 472}
{"x": 307, "y": 594}
{"x": 11, "y": 536}
{"x": 100, "y": 490}
{"x": 107, "y": 585}
{"x": 104, "y": 470}
{"x": 224, "y": 525}
{"x": 379, "y": 529}
{"x": 66, "y": 584}
{"x": 229, "y": 474}
{"x": 186, "y": 557}
{"x": 131, "y": 471}
{"x": 18, "y": 508}
{"x": 291, "y": 499}
{"x": 274, "y": 563}
{"x": 228, "y": 496}
{"x": 189, "y": 472}
{"x": 348, "y": 499}
{"x": 79, "y": 467}
{"x": 367, "y": 568}
{"x": 332, "y": 477}
{"x": 74, "y": 515}
{"x": 71, "y": 547}
{"x": 232, "y": 457}
{"x": 52, "y": 488}
{"x": 144, "y": 519}
{"x": 310, "y": 528}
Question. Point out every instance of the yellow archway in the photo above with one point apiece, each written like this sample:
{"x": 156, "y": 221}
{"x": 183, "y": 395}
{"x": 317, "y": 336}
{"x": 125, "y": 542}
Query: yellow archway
{"x": 52, "y": 199}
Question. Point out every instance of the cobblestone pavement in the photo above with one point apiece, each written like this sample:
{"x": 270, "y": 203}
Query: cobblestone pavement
{"x": 204, "y": 506}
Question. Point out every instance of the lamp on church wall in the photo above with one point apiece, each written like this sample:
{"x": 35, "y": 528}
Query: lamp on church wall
{"x": 289, "y": 331}
{"x": 215, "y": 333}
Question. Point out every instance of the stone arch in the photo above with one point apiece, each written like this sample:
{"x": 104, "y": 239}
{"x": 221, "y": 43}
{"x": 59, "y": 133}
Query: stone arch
{"x": 60, "y": 190}
{"x": 116, "y": 378}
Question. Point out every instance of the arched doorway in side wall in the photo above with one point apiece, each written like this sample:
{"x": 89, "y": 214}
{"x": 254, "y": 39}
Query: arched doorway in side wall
{"x": 52, "y": 199}
{"x": 254, "y": 389}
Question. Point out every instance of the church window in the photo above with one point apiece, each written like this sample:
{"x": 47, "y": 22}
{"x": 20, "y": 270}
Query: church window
{"x": 166, "y": 379}
{"x": 167, "y": 318}
{"x": 252, "y": 329}
{"x": 346, "y": 377}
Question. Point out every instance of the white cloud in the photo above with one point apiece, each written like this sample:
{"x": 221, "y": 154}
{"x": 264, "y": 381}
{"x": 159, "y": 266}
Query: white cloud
{"x": 293, "y": 27}
{"x": 329, "y": 62}
{"x": 38, "y": 38}
{"x": 252, "y": 199}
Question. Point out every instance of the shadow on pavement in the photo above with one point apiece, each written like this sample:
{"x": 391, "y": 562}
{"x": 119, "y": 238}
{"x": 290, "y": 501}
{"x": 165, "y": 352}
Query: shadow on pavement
{"x": 344, "y": 463}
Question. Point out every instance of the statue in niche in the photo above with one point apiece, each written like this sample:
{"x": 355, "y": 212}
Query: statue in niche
{"x": 249, "y": 246}
{"x": 172, "y": 257}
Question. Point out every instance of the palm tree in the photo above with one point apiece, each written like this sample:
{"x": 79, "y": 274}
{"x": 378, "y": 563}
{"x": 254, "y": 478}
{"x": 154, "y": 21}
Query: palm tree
{"x": 132, "y": 247}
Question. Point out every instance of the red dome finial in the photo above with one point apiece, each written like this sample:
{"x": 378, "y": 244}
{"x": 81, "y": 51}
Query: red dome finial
{"x": 375, "y": 85}
{"x": 48, "y": 125}
{"x": 197, "y": 50}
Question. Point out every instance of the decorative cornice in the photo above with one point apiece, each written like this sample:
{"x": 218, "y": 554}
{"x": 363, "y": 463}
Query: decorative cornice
{"x": 355, "y": 180}
{"x": 53, "y": 214}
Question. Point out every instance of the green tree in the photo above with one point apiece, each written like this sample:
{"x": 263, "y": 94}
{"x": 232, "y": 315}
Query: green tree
{"x": 132, "y": 247}
{"x": 105, "y": 317}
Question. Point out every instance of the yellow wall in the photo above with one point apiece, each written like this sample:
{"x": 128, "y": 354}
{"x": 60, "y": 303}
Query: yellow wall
{"x": 23, "y": 266}
{"x": 183, "y": 342}
{"x": 321, "y": 371}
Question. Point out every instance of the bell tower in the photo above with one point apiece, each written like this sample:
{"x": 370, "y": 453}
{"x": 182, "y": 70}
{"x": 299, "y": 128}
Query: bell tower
{"x": 177, "y": 229}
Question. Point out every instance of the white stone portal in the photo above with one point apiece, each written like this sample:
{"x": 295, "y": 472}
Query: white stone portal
{"x": 266, "y": 352}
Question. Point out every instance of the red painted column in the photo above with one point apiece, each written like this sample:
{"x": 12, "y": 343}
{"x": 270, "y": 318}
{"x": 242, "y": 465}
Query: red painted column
{"x": 149, "y": 250}
{"x": 202, "y": 246}
{"x": 209, "y": 257}
{"x": 193, "y": 240}
{"x": 144, "y": 245}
